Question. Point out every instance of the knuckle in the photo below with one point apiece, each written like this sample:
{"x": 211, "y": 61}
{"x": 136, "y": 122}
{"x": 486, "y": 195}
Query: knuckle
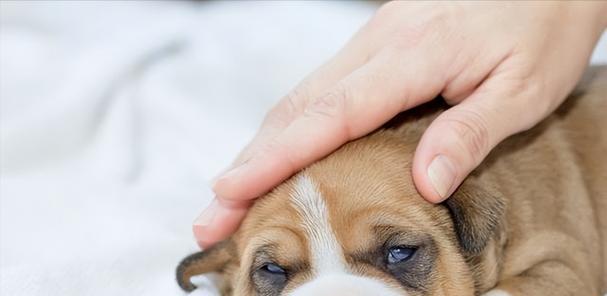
{"x": 295, "y": 100}
{"x": 518, "y": 87}
{"x": 528, "y": 92}
{"x": 332, "y": 104}
{"x": 522, "y": 83}
{"x": 291, "y": 105}
{"x": 472, "y": 132}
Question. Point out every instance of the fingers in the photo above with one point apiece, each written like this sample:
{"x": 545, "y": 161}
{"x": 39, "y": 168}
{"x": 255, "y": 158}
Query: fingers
{"x": 356, "y": 105}
{"x": 326, "y": 112}
{"x": 333, "y": 119}
{"x": 461, "y": 137}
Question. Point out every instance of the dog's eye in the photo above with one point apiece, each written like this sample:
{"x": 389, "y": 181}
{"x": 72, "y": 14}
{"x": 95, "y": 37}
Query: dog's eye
{"x": 273, "y": 269}
{"x": 399, "y": 254}
{"x": 269, "y": 278}
{"x": 271, "y": 275}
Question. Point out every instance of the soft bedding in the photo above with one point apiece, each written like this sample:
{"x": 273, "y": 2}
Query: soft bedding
{"x": 114, "y": 116}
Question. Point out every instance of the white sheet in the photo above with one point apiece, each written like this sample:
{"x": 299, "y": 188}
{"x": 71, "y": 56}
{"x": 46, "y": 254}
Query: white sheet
{"x": 114, "y": 116}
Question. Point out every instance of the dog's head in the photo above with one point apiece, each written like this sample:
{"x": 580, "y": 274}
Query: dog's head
{"x": 354, "y": 224}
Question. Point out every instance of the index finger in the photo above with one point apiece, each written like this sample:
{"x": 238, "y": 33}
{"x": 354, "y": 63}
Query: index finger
{"x": 359, "y": 104}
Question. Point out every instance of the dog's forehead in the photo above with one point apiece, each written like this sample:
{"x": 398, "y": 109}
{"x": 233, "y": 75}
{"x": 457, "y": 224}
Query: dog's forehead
{"x": 346, "y": 193}
{"x": 356, "y": 214}
{"x": 364, "y": 177}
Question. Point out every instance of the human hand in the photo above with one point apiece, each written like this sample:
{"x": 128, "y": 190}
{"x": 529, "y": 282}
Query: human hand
{"x": 502, "y": 66}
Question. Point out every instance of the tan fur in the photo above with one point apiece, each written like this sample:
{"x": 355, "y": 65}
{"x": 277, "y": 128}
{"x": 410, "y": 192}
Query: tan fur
{"x": 555, "y": 177}
{"x": 551, "y": 182}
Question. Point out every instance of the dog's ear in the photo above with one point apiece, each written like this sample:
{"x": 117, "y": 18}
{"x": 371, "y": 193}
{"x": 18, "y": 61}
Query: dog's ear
{"x": 217, "y": 260}
{"x": 476, "y": 211}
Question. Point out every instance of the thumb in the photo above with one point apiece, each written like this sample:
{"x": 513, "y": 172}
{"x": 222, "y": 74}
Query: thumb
{"x": 458, "y": 140}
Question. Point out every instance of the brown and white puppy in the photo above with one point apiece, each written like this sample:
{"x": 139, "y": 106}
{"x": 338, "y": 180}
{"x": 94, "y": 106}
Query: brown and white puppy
{"x": 531, "y": 220}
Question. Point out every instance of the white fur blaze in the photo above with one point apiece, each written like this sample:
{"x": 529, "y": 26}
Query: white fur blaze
{"x": 331, "y": 274}
{"x": 327, "y": 255}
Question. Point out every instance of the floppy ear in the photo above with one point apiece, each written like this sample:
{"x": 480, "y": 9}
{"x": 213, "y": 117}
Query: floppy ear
{"x": 216, "y": 259}
{"x": 477, "y": 212}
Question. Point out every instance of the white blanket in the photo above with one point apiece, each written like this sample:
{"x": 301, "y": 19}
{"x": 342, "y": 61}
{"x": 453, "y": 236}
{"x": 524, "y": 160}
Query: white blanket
{"x": 115, "y": 115}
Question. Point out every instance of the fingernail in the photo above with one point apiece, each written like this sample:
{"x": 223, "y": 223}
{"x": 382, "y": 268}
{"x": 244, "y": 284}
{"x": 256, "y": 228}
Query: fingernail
{"x": 206, "y": 217}
{"x": 442, "y": 175}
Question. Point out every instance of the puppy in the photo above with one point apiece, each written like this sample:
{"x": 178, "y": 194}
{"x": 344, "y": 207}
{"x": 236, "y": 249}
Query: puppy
{"x": 531, "y": 220}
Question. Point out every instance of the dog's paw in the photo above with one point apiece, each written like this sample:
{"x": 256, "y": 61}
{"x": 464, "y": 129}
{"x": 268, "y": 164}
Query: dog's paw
{"x": 497, "y": 292}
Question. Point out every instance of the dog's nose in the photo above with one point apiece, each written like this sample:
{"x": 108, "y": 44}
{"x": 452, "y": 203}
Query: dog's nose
{"x": 345, "y": 284}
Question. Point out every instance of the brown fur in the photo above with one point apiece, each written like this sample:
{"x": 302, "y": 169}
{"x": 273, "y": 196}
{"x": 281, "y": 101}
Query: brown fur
{"x": 531, "y": 220}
